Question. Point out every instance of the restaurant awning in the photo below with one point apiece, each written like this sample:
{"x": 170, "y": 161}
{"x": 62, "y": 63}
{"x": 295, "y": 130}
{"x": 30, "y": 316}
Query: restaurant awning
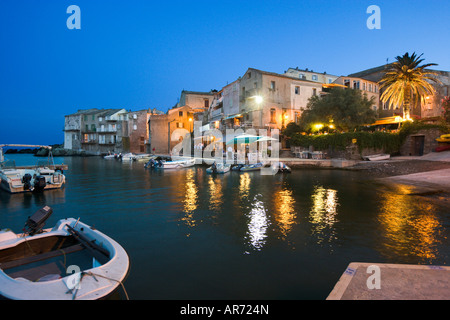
{"x": 238, "y": 115}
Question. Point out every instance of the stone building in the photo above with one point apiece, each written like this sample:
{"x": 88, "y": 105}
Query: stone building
{"x": 321, "y": 77}
{"x": 431, "y": 109}
{"x": 72, "y": 129}
{"x": 103, "y": 131}
{"x": 269, "y": 100}
{"x": 176, "y": 124}
{"x": 138, "y": 135}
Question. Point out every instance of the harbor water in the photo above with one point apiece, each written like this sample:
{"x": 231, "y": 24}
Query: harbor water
{"x": 191, "y": 235}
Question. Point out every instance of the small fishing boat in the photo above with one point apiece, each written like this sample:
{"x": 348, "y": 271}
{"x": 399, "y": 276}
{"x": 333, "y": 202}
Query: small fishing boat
{"x": 377, "y": 157}
{"x": 172, "y": 164}
{"x": 128, "y": 157}
{"x": 237, "y": 167}
{"x": 111, "y": 156}
{"x": 219, "y": 168}
{"x": 45, "y": 175}
{"x": 281, "y": 167}
{"x": 70, "y": 261}
{"x": 252, "y": 167}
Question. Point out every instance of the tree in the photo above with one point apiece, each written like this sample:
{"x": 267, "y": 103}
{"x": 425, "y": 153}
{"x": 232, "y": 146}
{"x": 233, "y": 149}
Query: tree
{"x": 345, "y": 109}
{"x": 406, "y": 82}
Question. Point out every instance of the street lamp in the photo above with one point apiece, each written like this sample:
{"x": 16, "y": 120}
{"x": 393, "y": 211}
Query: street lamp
{"x": 190, "y": 124}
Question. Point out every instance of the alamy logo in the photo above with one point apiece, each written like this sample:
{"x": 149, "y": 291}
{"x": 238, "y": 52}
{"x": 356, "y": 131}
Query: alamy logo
{"x": 374, "y": 281}
{"x": 74, "y": 21}
{"x": 374, "y": 21}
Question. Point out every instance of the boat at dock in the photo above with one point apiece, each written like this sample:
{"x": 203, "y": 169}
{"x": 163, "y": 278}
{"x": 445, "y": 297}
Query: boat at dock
{"x": 127, "y": 157}
{"x": 70, "y": 261}
{"x": 377, "y": 157}
{"x": 45, "y": 175}
{"x": 280, "y": 167}
{"x": 159, "y": 163}
{"x": 252, "y": 167}
{"x": 219, "y": 168}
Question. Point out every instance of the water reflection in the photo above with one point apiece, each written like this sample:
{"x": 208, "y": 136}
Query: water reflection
{"x": 190, "y": 199}
{"x": 409, "y": 227}
{"x": 284, "y": 214}
{"x": 216, "y": 194}
{"x": 244, "y": 185}
{"x": 323, "y": 213}
{"x": 258, "y": 224}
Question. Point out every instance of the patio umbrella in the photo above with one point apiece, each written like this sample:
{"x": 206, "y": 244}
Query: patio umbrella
{"x": 243, "y": 138}
{"x": 264, "y": 138}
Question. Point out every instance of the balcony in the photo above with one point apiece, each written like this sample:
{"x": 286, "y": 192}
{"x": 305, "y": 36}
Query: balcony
{"x": 89, "y": 142}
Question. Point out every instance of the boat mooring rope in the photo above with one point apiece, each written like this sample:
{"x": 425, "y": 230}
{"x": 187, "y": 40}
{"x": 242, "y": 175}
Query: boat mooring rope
{"x": 90, "y": 273}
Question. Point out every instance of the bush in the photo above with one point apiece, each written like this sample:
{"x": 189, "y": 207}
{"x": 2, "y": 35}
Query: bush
{"x": 389, "y": 142}
{"x": 339, "y": 141}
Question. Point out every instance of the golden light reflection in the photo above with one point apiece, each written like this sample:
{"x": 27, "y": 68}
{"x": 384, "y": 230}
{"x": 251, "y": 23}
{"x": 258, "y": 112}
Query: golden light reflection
{"x": 216, "y": 194}
{"x": 409, "y": 227}
{"x": 257, "y": 225}
{"x": 190, "y": 199}
{"x": 244, "y": 185}
{"x": 323, "y": 212}
{"x": 284, "y": 214}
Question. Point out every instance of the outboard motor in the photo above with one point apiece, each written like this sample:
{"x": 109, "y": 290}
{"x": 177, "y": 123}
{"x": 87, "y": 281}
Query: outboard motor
{"x": 36, "y": 222}
{"x": 39, "y": 183}
{"x": 26, "y": 180}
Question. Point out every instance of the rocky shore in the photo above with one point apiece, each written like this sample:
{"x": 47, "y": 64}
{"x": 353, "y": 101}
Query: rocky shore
{"x": 383, "y": 169}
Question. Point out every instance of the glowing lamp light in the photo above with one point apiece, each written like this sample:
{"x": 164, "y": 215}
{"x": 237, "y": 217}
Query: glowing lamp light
{"x": 259, "y": 99}
{"x": 318, "y": 126}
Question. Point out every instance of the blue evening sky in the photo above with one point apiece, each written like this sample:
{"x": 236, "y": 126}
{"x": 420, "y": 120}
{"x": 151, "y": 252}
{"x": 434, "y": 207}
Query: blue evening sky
{"x": 139, "y": 54}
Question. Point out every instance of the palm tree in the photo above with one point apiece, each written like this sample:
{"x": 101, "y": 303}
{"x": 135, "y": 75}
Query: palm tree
{"x": 406, "y": 82}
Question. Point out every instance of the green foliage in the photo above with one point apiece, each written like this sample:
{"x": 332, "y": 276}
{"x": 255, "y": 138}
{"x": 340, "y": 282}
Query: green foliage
{"x": 291, "y": 129}
{"x": 389, "y": 142}
{"x": 346, "y": 109}
{"x": 339, "y": 141}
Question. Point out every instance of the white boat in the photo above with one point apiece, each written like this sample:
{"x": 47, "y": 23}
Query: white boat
{"x": 377, "y": 157}
{"x": 128, "y": 157}
{"x": 70, "y": 261}
{"x": 174, "y": 164}
{"x": 144, "y": 157}
{"x": 43, "y": 176}
{"x": 252, "y": 167}
{"x": 280, "y": 167}
{"x": 220, "y": 168}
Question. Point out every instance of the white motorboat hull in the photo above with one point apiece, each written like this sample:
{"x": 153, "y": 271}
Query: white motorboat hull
{"x": 378, "y": 157}
{"x": 96, "y": 282}
{"x": 177, "y": 164}
{"x": 12, "y": 180}
{"x": 220, "y": 169}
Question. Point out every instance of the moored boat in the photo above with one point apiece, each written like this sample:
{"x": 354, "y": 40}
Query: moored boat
{"x": 377, "y": 157}
{"x": 70, "y": 261}
{"x": 281, "y": 167}
{"x": 45, "y": 175}
{"x": 128, "y": 157}
{"x": 252, "y": 167}
{"x": 169, "y": 164}
{"x": 219, "y": 168}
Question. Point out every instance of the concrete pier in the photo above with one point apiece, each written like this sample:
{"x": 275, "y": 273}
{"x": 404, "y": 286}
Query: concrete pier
{"x": 396, "y": 282}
